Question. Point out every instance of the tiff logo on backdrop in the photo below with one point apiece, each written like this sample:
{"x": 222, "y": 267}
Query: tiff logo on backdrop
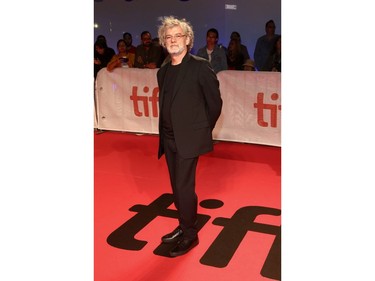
{"x": 224, "y": 246}
{"x": 143, "y": 104}
{"x": 261, "y": 107}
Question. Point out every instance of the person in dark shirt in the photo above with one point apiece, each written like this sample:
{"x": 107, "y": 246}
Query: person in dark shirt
{"x": 102, "y": 56}
{"x": 102, "y": 38}
{"x": 128, "y": 38}
{"x": 189, "y": 104}
{"x": 274, "y": 60}
{"x": 235, "y": 57}
{"x": 147, "y": 55}
{"x": 244, "y": 51}
{"x": 264, "y": 46}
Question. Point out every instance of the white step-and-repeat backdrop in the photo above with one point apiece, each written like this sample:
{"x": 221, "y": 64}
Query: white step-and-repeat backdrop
{"x": 127, "y": 100}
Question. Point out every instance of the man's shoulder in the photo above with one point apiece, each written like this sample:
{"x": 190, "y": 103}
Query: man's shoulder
{"x": 198, "y": 64}
{"x": 262, "y": 38}
{"x": 197, "y": 58}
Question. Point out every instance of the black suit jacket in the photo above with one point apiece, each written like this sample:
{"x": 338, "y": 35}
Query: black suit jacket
{"x": 196, "y": 106}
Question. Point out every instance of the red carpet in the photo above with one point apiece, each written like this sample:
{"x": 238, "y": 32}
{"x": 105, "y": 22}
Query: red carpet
{"x": 239, "y": 191}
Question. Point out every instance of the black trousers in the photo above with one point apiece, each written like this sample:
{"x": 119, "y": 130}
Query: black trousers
{"x": 182, "y": 173}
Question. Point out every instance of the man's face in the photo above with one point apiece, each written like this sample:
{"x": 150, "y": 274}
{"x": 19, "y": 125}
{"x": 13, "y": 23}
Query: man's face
{"x": 146, "y": 39}
{"x": 270, "y": 28}
{"x": 175, "y": 40}
{"x": 100, "y": 50}
{"x": 211, "y": 38}
{"x": 128, "y": 40}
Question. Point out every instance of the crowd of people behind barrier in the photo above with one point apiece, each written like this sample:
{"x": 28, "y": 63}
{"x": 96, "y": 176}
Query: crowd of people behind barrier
{"x": 149, "y": 54}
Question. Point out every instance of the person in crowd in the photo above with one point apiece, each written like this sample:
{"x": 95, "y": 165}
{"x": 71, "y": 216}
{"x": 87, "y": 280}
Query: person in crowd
{"x": 147, "y": 55}
{"x": 128, "y": 38}
{"x": 264, "y": 46}
{"x": 212, "y": 52}
{"x": 249, "y": 65}
{"x": 236, "y": 35}
{"x": 189, "y": 104}
{"x": 235, "y": 58}
{"x": 101, "y": 37}
{"x": 122, "y": 59}
{"x": 275, "y": 56}
{"x": 102, "y": 56}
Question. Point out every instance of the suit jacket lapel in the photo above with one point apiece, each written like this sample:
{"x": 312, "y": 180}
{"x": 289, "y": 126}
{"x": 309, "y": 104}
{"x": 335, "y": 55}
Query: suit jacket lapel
{"x": 181, "y": 75}
{"x": 161, "y": 91}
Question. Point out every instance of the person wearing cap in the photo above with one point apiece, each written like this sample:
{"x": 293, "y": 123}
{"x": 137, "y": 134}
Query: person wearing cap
{"x": 249, "y": 65}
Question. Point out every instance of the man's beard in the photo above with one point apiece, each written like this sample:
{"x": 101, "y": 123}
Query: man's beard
{"x": 175, "y": 50}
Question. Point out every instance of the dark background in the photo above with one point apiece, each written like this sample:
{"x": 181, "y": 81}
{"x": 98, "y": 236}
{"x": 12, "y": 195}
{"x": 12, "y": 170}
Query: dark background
{"x": 114, "y": 17}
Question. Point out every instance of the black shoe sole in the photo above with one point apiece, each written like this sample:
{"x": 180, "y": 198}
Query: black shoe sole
{"x": 180, "y": 253}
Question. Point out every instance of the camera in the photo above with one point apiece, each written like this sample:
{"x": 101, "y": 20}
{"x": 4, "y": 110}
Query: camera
{"x": 124, "y": 59}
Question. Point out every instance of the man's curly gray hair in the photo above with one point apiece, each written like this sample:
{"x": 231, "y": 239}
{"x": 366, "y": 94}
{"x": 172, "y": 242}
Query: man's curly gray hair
{"x": 171, "y": 21}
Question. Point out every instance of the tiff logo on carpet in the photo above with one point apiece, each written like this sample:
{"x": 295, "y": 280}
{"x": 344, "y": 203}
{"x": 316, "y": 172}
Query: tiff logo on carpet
{"x": 224, "y": 246}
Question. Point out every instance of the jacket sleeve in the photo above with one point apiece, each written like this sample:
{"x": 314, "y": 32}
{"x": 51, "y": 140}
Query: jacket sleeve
{"x": 211, "y": 91}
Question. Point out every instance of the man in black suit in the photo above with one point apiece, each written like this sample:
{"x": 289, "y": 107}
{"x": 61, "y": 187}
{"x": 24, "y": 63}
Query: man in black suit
{"x": 189, "y": 106}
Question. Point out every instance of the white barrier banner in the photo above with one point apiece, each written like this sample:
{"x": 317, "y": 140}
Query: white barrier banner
{"x": 127, "y": 100}
{"x": 251, "y": 107}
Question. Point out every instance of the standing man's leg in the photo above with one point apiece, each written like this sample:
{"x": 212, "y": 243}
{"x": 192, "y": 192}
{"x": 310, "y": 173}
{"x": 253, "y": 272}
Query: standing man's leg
{"x": 182, "y": 173}
{"x": 186, "y": 196}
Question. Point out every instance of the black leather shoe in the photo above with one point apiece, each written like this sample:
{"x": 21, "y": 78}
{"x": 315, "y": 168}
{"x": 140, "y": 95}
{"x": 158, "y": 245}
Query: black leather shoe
{"x": 184, "y": 246}
{"x": 172, "y": 237}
